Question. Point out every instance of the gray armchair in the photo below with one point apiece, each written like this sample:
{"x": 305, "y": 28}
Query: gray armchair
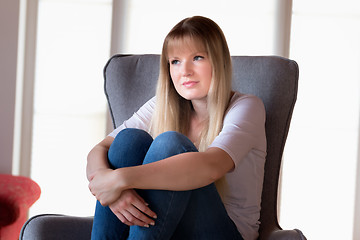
{"x": 130, "y": 81}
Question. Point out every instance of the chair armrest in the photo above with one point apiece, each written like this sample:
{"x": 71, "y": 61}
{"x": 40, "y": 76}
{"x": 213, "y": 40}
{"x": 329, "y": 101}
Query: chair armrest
{"x": 59, "y": 227}
{"x": 287, "y": 235}
{"x": 56, "y": 227}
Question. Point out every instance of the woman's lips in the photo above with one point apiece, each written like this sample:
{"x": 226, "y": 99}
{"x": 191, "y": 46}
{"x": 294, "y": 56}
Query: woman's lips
{"x": 190, "y": 83}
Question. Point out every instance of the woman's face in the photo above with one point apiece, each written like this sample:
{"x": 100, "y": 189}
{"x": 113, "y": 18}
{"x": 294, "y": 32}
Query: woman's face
{"x": 190, "y": 70}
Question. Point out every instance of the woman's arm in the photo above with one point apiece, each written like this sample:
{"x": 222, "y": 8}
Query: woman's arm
{"x": 128, "y": 206}
{"x": 97, "y": 158}
{"x": 98, "y": 171}
{"x": 180, "y": 172}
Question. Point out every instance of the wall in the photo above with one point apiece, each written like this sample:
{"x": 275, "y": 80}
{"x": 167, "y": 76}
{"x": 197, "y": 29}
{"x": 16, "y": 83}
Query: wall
{"x": 9, "y": 21}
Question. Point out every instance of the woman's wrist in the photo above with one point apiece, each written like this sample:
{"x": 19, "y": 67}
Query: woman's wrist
{"x": 91, "y": 173}
{"x": 122, "y": 179}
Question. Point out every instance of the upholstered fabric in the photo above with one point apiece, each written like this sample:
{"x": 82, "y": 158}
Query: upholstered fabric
{"x": 137, "y": 84}
{"x": 130, "y": 81}
{"x": 57, "y": 227}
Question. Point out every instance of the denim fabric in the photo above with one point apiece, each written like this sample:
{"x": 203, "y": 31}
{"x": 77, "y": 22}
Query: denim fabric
{"x": 195, "y": 214}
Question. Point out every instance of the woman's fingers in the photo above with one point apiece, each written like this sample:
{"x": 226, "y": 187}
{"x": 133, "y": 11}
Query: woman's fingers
{"x": 140, "y": 204}
{"x": 134, "y": 218}
{"x": 131, "y": 209}
{"x": 137, "y": 215}
{"x": 122, "y": 218}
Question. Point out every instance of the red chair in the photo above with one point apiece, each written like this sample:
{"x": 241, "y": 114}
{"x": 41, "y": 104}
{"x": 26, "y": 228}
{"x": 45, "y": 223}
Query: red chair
{"x": 17, "y": 194}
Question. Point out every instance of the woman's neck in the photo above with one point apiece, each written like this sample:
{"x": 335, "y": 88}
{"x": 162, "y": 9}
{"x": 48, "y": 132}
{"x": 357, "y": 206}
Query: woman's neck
{"x": 200, "y": 112}
{"x": 198, "y": 119}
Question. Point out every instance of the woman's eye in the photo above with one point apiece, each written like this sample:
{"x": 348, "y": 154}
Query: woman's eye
{"x": 174, "y": 62}
{"x": 196, "y": 58}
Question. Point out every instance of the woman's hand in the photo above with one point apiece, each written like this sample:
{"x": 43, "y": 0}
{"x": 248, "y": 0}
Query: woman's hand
{"x": 104, "y": 185}
{"x": 131, "y": 209}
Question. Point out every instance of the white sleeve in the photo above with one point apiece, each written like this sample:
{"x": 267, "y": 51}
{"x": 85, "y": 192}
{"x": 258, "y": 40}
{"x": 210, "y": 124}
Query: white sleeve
{"x": 243, "y": 129}
{"x": 140, "y": 119}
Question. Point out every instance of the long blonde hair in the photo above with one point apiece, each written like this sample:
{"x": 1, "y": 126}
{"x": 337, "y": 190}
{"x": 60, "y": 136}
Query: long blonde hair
{"x": 172, "y": 112}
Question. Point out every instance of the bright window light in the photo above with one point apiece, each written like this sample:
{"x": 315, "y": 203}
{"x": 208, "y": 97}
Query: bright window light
{"x": 73, "y": 45}
{"x": 319, "y": 171}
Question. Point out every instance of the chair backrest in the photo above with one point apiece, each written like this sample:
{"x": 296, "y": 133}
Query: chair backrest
{"x": 130, "y": 81}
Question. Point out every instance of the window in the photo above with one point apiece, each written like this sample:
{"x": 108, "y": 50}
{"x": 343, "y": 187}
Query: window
{"x": 73, "y": 45}
{"x": 248, "y": 25}
{"x": 319, "y": 171}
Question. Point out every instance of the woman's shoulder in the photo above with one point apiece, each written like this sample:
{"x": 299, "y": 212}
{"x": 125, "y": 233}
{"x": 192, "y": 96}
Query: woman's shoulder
{"x": 148, "y": 107}
{"x": 239, "y": 98}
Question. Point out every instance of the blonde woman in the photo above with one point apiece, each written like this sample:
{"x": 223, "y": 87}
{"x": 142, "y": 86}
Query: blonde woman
{"x": 154, "y": 176}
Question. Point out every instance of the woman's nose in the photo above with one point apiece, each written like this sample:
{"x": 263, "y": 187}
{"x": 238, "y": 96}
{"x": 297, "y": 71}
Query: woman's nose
{"x": 186, "y": 69}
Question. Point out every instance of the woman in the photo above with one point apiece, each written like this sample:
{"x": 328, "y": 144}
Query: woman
{"x": 154, "y": 176}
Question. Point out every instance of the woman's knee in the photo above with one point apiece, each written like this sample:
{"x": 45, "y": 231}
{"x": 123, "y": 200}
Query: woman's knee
{"x": 175, "y": 140}
{"x": 169, "y": 144}
{"x": 129, "y": 148}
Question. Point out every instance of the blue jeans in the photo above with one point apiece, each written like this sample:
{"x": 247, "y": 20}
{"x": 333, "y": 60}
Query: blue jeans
{"x": 194, "y": 214}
